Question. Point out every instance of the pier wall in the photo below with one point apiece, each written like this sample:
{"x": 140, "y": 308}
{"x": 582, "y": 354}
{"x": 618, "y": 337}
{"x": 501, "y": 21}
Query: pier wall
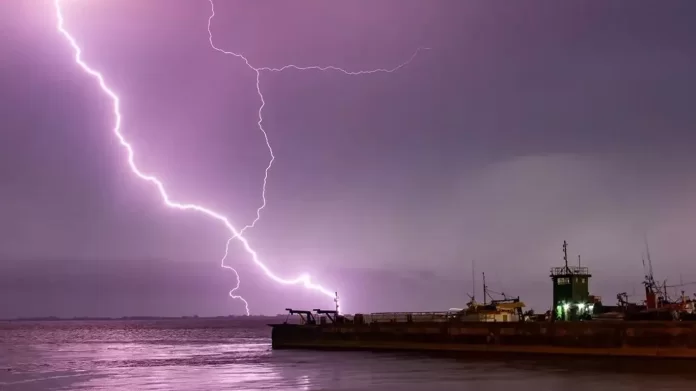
{"x": 674, "y": 339}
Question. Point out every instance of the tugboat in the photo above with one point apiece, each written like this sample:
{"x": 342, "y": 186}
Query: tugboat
{"x": 501, "y": 310}
{"x": 658, "y": 305}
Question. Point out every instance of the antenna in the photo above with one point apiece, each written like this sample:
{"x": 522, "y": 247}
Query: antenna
{"x": 578, "y": 260}
{"x": 336, "y": 301}
{"x": 473, "y": 281}
{"x": 565, "y": 253}
{"x": 485, "y": 289}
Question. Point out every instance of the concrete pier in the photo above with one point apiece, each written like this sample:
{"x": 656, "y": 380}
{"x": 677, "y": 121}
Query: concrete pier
{"x": 668, "y": 339}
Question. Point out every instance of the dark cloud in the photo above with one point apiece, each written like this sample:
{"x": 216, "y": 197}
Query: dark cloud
{"x": 524, "y": 126}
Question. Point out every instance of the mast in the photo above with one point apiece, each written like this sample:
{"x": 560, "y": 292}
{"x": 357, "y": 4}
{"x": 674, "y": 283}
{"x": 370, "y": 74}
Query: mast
{"x": 565, "y": 254}
{"x": 485, "y": 288}
{"x": 647, "y": 251}
{"x": 643, "y": 258}
{"x": 653, "y": 290}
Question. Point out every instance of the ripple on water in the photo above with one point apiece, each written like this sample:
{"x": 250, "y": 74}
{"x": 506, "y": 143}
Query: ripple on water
{"x": 199, "y": 356}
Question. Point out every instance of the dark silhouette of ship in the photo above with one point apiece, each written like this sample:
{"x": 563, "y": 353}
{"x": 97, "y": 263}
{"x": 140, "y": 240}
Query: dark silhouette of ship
{"x": 577, "y": 323}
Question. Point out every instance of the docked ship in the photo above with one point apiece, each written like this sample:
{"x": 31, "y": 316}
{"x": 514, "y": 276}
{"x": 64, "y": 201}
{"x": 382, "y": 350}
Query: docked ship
{"x": 577, "y": 324}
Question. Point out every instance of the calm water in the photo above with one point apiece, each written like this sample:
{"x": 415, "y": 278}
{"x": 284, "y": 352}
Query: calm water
{"x": 195, "y": 355}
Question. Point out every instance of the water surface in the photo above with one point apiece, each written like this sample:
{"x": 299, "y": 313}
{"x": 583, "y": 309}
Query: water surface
{"x": 227, "y": 355}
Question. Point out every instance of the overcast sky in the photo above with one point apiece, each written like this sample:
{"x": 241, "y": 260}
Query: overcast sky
{"x": 526, "y": 124}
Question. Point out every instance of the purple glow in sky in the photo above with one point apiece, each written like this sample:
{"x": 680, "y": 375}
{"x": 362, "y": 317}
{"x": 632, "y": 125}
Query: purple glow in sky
{"x": 304, "y": 279}
{"x": 524, "y": 125}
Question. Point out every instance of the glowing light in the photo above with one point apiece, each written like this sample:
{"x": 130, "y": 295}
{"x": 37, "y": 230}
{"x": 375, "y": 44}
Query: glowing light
{"x": 566, "y": 306}
{"x": 304, "y": 279}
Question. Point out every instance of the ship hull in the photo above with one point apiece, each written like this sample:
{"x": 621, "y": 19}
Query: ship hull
{"x": 676, "y": 340}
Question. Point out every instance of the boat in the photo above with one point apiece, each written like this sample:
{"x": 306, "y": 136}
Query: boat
{"x": 577, "y": 324}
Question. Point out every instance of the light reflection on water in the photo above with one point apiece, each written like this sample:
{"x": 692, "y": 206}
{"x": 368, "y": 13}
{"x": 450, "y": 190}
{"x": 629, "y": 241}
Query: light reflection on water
{"x": 179, "y": 356}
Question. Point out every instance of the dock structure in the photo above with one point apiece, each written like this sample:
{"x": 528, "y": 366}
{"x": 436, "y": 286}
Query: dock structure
{"x": 573, "y": 327}
{"x": 450, "y": 334}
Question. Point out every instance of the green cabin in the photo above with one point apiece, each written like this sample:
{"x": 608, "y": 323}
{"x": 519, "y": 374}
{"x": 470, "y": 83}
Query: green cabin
{"x": 571, "y": 291}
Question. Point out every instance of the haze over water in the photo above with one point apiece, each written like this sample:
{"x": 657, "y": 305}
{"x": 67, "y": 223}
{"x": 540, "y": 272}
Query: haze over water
{"x": 226, "y": 354}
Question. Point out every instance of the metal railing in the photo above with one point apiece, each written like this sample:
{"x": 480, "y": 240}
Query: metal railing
{"x": 389, "y": 317}
{"x": 567, "y": 270}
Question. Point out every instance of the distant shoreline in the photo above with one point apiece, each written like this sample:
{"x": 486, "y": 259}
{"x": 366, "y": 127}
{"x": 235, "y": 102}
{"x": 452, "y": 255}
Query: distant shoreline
{"x": 88, "y": 318}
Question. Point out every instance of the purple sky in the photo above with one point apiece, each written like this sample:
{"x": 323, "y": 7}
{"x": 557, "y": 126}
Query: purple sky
{"x": 526, "y": 124}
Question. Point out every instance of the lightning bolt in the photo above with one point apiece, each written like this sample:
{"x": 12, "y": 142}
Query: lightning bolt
{"x": 257, "y": 71}
{"x": 303, "y": 279}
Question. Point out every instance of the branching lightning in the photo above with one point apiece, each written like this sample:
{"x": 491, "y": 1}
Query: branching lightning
{"x": 303, "y": 279}
{"x": 257, "y": 71}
